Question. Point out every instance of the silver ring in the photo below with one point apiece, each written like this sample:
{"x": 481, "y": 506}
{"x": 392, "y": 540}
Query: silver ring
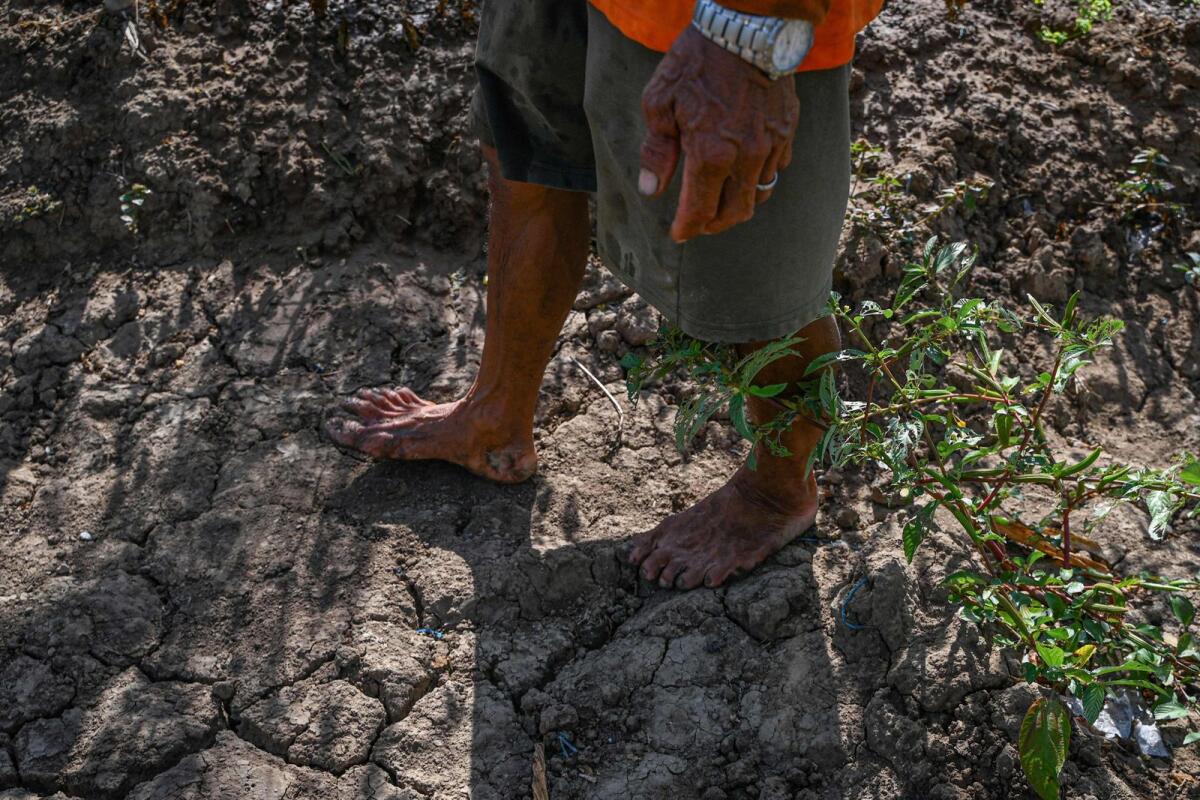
{"x": 769, "y": 185}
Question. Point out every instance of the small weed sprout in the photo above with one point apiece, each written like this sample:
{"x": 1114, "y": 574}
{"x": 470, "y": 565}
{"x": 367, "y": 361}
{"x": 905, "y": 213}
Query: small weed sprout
{"x": 1190, "y": 269}
{"x": 1087, "y": 14}
{"x": 862, "y": 155}
{"x": 1146, "y": 187}
{"x": 963, "y": 454}
{"x": 131, "y": 204}
{"x": 879, "y": 207}
{"x": 969, "y": 193}
{"x": 36, "y": 203}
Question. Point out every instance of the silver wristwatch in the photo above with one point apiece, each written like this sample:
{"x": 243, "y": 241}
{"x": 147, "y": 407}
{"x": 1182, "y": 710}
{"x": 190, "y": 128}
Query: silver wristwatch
{"x": 774, "y": 45}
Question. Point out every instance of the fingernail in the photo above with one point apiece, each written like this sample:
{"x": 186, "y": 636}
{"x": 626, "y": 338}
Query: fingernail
{"x": 647, "y": 182}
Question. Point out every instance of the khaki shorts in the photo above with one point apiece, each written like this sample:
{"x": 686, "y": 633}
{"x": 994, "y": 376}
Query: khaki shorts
{"x": 560, "y": 99}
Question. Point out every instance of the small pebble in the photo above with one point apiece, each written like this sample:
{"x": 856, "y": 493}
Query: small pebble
{"x": 86, "y": 536}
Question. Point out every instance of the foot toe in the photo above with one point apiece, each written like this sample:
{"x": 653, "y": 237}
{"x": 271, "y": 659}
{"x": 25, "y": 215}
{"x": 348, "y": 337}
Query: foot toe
{"x": 691, "y": 577}
{"x": 402, "y": 399}
{"x": 381, "y": 444}
{"x": 408, "y": 396}
{"x": 654, "y": 563}
{"x": 361, "y": 408}
{"x": 343, "y": 431}
{"x": 641, "y": 546}
{"x": 671, "y": 571}
{"x": 717, "y": 574}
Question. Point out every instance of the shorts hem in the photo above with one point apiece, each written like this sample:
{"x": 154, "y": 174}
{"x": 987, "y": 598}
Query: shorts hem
{"x": 757, "y": 331}
{"x": 555, "y": 176}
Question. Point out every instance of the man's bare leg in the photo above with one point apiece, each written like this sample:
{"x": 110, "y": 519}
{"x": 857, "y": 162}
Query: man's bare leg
{"x": 537, "y": 250}
{"x": 758, "y": 511}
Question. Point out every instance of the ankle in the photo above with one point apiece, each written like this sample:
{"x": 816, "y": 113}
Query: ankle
{"x": 784, "y": 491}
{"x": 496, "y": 416}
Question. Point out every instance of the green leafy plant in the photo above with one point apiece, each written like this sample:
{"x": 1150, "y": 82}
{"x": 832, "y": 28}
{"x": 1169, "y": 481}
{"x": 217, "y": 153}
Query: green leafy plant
{"x": 877, "y": 198}
{"x": 1190, "y": 269}
{"x": 1145, "y": 189}
{"x": 131, "y": 204}
{"x": 35, "y": 203}
{"x": 1087, "y": 14}
{"x": 725, "y": 382}
{"x": 961, "y": 432}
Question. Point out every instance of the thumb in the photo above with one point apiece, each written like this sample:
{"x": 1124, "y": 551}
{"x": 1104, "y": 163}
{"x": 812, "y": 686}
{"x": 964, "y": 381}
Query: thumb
{"x": 660, "y": 155}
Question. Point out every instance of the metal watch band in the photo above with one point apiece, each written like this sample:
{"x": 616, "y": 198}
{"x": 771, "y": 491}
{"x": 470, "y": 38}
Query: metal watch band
{"x": 745, "y": 35}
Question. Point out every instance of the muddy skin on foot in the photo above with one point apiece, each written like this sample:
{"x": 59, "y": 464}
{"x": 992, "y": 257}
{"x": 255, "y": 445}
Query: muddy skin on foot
{"x": 728, "y": 533}
{"x": 397, "y": 424}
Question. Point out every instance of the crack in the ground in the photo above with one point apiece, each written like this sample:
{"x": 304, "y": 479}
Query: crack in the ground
{"x": 414, "y": 592}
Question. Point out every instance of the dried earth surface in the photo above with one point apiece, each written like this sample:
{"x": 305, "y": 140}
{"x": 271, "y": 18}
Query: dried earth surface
{"x": 200, "y": 598}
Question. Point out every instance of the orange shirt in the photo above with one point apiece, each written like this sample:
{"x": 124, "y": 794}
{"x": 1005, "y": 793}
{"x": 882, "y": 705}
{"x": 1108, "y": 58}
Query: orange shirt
{"x": 656, "y": 23}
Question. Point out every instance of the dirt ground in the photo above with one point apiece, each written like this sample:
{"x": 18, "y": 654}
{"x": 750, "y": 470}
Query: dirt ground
{"x": 200, "y": 598}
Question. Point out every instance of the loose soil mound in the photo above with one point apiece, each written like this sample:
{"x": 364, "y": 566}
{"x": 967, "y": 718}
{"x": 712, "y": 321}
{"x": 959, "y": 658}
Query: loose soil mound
{"x": 200, "y": 598}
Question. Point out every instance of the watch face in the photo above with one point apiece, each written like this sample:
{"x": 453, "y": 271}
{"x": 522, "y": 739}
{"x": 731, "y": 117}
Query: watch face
{"x": 791, "y": 45}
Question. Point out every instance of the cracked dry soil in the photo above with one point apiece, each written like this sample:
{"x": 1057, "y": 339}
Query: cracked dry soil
{"x": 242, "y": 618}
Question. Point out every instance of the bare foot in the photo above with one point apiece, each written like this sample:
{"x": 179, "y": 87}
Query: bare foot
{"x": 728, "y": 533}
{"x": 397, "y": 424}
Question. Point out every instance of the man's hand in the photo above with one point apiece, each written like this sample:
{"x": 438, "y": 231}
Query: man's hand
{"x": 733, "y": 123}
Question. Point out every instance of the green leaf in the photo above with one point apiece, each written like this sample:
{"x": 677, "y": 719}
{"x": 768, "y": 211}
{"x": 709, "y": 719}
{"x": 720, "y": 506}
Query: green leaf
{"x": 828, "y": 394}
{"x": 1069, "y": 311}
{"x": 1147, "y": 685}
{"x": 916, "y": 528}
{"x": 693, "y": 415}
{"x": 1191, "y": 472}
{"x": 914, "y": 534}
{"x": 1066, "y": 472}
{"x": 1170, "y": 709}
{"x": 1051, "y": 656}
{"x": 1183, "y": 609}
{"x": 965, "y": 577}
{"x": 1045, "y": 736}
{"x": 1128, "y": 666}
{"x": 737, "y": 415}
{"x": 1162, "y": 507}
{"x": 1194, "y": 736}
{"x": 1003, "y": 422}
{"x": 1093, "y": 703}
{"x": 766, "y": 391}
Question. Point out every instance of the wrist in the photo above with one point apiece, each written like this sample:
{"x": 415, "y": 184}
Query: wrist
{"x": 775, "y": 45}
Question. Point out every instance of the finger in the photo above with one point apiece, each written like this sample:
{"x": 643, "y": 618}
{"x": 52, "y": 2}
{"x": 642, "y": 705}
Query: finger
{"x": 660, "y": 155}
{"x": 737, "y": 201}
{"x": 704, "y": 173}
{"x": 785, "y": 156}
{"x": 770, "y": 170}
{"x": 738, "y": 196}
{"x": 660, "y": 148}
{"x": 786, "y": 134}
